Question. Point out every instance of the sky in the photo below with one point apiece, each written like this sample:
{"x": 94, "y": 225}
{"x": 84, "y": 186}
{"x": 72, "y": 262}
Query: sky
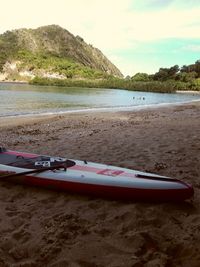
{"x": 135, "y": 35}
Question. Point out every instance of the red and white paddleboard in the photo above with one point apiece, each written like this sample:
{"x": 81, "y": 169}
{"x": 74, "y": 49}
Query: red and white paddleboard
{"x": 91, "y": 178}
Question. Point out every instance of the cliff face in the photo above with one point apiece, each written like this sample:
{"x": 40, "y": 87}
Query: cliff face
{"x": 47, "y": 42}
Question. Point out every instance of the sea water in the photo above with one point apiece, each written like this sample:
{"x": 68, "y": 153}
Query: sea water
{"x": 23, "y": 99}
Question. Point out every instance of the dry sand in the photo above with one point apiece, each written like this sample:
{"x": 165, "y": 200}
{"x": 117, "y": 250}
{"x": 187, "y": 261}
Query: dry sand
{"x": 41, "y": 227}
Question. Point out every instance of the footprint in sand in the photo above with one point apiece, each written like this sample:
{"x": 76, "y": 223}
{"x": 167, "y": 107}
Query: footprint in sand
{"x": 11, "y": 210}
{"x": 21, "y": 235}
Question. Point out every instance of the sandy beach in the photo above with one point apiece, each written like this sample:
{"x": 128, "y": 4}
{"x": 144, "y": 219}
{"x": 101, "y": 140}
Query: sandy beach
{"x": 40, "y": 227}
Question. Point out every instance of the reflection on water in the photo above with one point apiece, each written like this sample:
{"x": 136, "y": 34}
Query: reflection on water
{"x": 19, "y": 99}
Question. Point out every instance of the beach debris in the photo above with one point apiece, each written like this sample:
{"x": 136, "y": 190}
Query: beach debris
{"x": 160, "y": 166}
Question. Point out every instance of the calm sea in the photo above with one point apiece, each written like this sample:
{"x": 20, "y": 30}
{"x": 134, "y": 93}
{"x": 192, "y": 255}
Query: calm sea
{"x": 24, "y": 99}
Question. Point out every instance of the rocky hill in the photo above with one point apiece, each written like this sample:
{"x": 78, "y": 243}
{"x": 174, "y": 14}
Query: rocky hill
{"x": 50, "y": 51}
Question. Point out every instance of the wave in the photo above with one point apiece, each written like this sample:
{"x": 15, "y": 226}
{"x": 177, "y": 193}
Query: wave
{"x": 100, "y": 109}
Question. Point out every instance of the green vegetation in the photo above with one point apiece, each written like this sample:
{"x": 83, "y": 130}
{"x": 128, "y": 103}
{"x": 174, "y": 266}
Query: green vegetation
{"x": 8, "y": 47}
{"x": 166, "y": 80}
{"x": 141, "y": 77}
{"x": 54, "y": 56}
{"x": 64, "y": 67}
{"x": 114, "y": 83}
{"x": 54, "y": 48}
{"x": 184, "y": 78}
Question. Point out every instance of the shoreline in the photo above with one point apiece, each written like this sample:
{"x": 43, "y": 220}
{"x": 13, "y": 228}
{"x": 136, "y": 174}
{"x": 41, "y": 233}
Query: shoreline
{"x": 97, "y": 110}
{"x": 178, "y": 91}
{"x": 15, "y": 82}
{"x": 41, "y": 227}
{"x": 188, "y": 92}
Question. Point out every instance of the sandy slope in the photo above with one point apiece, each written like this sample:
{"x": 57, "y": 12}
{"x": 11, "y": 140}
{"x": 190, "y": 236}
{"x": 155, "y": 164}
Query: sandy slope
{"x": 40, "y": 227}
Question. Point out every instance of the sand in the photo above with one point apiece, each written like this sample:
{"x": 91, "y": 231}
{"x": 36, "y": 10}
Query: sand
{"x": 40, "y": 227}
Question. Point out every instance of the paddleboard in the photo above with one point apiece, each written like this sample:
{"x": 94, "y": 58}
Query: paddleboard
{"x": 90, "y": 178}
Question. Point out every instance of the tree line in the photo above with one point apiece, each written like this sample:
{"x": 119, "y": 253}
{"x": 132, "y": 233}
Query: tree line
{"x": 184, "y": 74}
{"x": 186, "y": 77}
{"x": 166, "y": 80}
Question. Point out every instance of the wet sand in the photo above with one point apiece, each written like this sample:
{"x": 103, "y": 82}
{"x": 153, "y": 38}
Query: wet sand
{"x": 40, "y": 227}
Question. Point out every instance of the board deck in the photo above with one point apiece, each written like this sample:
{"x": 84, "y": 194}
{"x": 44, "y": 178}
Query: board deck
{"x": 92, "y": 178}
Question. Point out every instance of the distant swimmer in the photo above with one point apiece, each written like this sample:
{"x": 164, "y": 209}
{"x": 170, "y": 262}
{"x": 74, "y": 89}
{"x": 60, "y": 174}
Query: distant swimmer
{"x": 139, "y": 98}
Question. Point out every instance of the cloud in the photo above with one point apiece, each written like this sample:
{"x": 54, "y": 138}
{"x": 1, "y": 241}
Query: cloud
{"x": 157, "y": 5}
{"x": 106, "y": 24}
{"x": 192, "y": 48}
{"x": 112, "y": 26}
{"x": 150, "y": 4}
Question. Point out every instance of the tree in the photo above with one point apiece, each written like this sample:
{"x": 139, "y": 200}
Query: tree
{"x": 173, "y": 70}
{"x": 187, "y": 76}
{"x": 140, "y": 77}
{"x": 128, "y": 78}
{"x": 166, "y": 73}
{"x": 197, "y": 67}
{"x": 161, "y": 75}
